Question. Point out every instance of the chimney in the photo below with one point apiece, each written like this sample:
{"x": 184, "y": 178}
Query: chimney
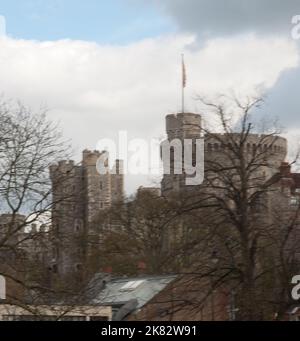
{"x": 142, "y": 267}
{"x": 108, "y": 270}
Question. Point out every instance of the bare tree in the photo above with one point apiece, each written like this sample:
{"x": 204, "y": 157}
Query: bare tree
{"x": 136, "y": 231}
{"x": 29, "y": 144}
{"x": 247, "y": 250}
{"x": 232, "y": 234}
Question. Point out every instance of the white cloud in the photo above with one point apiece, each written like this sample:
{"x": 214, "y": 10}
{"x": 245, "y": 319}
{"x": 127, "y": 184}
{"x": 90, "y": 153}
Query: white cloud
{"x": 95, "y": 90}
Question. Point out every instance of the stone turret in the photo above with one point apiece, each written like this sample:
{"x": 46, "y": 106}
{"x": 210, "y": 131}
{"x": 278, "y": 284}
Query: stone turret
{"x": 183, "y": 126}
{"x": 97, "y": 186}
{"x": 180, "y": 127}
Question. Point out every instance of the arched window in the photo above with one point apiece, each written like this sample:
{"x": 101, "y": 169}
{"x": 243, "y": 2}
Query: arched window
{"x": 78, "y": 225}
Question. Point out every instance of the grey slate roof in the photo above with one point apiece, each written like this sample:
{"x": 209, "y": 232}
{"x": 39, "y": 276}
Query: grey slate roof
{"x": 116, "y": 292}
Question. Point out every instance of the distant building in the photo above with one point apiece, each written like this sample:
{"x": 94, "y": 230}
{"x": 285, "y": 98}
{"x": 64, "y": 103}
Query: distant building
{"x": 179, "y": 127}
{"x": 125, "y": 295}
{"x": 160, "y": 298}
{"x": 189, "y": 126}
{"x": 12, "y": 228}
{"x": 154, "y": 191}
{"x": 12, "y": 251}
{"x": 80, "y": 193}
{"x": 187, "y": 298}
{"x": 283, "y": 202}
{"x": 10, "y": 312}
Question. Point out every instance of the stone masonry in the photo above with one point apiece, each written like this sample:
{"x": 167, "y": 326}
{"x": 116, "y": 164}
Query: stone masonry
{"x": 80, "y": 193}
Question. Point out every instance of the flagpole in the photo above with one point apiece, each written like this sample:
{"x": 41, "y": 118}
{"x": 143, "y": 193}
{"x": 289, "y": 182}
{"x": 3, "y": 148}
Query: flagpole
{"x": 183, "y": 99}
{"x": 183, "y": 82}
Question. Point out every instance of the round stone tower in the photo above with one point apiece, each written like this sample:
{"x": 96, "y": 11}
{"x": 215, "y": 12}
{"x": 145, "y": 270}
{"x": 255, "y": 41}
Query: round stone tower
{"x": 183, "y": 126}
{"x": 270, "y": 150}
{"x": 179, "y": 127}
{"x": 188, "y": 126}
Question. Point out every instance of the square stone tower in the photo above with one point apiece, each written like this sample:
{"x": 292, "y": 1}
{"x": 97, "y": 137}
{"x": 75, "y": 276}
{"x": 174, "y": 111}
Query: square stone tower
{"x": 80, "y": 193}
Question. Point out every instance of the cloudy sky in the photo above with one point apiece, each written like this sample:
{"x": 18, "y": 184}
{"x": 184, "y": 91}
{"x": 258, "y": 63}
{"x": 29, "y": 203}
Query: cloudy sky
{"x": 106, "y": 66}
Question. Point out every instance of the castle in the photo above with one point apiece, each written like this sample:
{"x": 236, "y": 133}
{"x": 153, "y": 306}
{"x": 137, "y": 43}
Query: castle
{"x": 80, "y": 192}
{"x": 189, "y": 126}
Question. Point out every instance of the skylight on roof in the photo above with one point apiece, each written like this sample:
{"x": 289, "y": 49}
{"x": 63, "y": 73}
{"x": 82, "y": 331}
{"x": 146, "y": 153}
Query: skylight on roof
{"x": 132, "y": 285}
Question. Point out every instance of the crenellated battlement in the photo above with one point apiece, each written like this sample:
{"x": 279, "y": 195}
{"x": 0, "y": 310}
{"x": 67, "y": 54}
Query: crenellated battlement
{"x": 183, "y": 125}
{"x": 63, "y": 167}
{"x": 275, "y": 145}
{"x": 90, "y": 158}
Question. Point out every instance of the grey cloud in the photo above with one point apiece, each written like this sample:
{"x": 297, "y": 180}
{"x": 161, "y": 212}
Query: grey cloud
{"x": 283, "y": 102}
{"x": 226, "y": 17}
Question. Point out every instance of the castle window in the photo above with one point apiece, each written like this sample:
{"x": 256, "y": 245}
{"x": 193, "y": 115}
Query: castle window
{"x": 54, "y": 268}
{"x": 101, "y": 186}
{"x": 78, "y": 225}
{"x": 101, "y": 205}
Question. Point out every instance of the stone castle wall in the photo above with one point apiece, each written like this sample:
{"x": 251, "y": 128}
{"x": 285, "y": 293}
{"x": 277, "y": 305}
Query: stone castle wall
{"x": 188, "y": 126}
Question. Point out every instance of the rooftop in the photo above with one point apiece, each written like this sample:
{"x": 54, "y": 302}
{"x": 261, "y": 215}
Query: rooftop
{"x": 118, "y": 291}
